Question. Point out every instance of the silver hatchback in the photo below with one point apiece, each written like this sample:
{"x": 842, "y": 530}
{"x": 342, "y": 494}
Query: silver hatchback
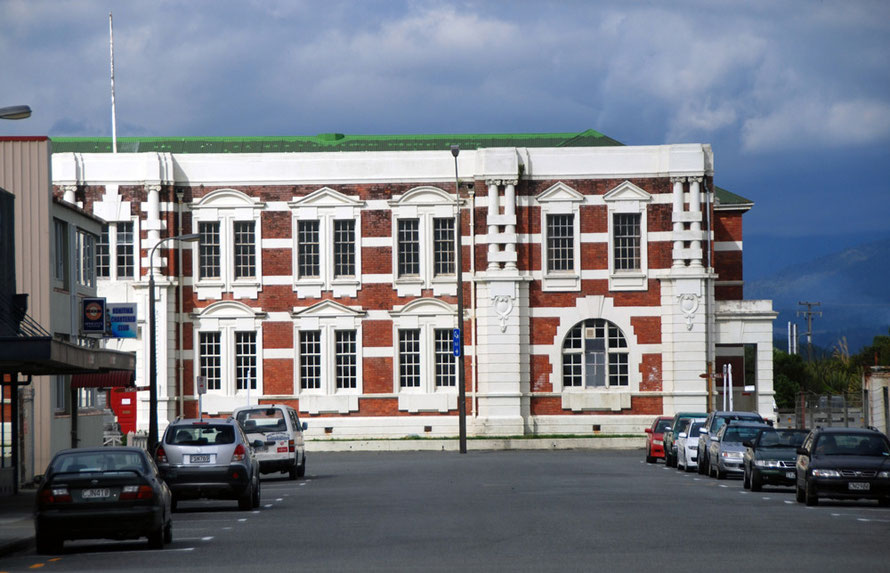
{"x": 209, "y": 458}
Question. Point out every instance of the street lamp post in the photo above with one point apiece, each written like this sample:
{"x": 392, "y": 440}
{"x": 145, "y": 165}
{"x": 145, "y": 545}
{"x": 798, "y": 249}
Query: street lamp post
{"x": 15, "y": 112}
{"x": 152, "y": 343}
{"x": 461, "y": 374}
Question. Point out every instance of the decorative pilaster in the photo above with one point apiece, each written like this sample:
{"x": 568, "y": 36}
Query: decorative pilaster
{"x": 695, "y": 211}
{"x": 153, "y": 221}
{"x": 677, "y": 220}
{"x": 493, "y": 210}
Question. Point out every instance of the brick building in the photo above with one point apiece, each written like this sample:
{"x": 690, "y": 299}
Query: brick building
{"x": 600, "y": 280}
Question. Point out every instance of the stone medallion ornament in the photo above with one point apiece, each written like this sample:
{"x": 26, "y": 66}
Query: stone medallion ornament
{"x": 688, "y": 304}
{"x": 503, "y": 305}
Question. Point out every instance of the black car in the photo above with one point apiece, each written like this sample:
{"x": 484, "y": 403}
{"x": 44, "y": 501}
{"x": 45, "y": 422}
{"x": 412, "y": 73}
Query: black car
{"x": 102, "y": 493}
{"x": 844, "y": 463}
{"x": 770, "y": 458}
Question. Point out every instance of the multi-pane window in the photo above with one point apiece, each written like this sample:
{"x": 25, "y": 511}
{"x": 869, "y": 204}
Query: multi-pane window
{"x": 626, "y": 241}
{"x": 85, "y": 259}
{"x": 445, "y": 360}
{"x": 126, "y": 265}
{"x": 245, "y": 360}
{"x": 409, "y": 247}
{"x": 103, "y": 255}
{"x": 443, "y": 246}
{"x": 209, "y": 250}
{"x": 245, "y": 249}
{"x": 61, "y": 261}
{"x": 594, "y": 354}
{"x": 310, "y": 359}
{"x": 346, "y": 359}
{"x": 308, "y": 249}
{"x": 409, "y": 358}
{"x": 560, "y": 243}
{"x": 210, "y": 349}
{"x": 344, "y": 248}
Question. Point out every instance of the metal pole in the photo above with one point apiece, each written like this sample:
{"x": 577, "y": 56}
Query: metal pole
{"x": 152, "y": 359}
{"x": 461, "y": 365}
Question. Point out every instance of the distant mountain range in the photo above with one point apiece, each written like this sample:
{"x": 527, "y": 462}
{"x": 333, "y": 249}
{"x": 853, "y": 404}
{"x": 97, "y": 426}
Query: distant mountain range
{"x": 852, "y": 285}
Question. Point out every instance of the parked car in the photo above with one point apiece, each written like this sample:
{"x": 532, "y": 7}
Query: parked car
{"x": 209, "y": 458}
{"x": 670, "y": 435}
{"x": 843, "y": 463}
{"x": 771, "y": 456}
{"x": 715, "y": 421}
{"x": 726, "y": 451}
{"x": 102, "y": 493}
{"x": 687, "y": 444}
{"x": 655, "y": 439}
{"x": 279, "y": 428}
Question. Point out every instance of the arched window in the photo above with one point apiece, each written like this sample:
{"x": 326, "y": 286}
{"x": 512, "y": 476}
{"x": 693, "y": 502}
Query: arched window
{"x": 594, "y": 355}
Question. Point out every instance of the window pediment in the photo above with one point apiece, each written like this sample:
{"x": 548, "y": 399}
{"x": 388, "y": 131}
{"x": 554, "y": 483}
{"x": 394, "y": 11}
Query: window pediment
{"x": 426, "y": 195}
{"x": 326, "y": 309}
{"x": 227, "y": 198}
{"x": 423, "y": 307}
{"x": 326, "y": 197}
{"x": 627, "y": 191}
{"x": 559, "y": 192}
{"x": 228, "y": 309}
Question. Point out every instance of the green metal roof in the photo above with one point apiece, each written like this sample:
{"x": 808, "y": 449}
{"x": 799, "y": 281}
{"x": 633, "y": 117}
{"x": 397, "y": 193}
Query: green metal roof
{"x": 329, "y": 142}
{"x": 725, "y": 197}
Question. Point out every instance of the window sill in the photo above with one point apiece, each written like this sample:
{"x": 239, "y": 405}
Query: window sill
{"x": 614, "y": 399}
{"x": 624, "y": 281}
{"x": 561, "y": 282}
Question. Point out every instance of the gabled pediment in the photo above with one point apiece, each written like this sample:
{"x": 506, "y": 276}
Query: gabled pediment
{"x": 326, "y": 309}
{"x": 426, "y": 195}
{"x": 228, "y": 309}
{"x": 225, "y": 198}
{"x": 424, "y": 307}
{"x": 560, "y": 192}
{"x": 326, "y": 197}
{"x": 627, "y": 191}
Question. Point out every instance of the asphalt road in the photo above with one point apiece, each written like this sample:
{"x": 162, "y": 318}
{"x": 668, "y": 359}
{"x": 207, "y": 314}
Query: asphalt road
{"x": 500, "y": 511}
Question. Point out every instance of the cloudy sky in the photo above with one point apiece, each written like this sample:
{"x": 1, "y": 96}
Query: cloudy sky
{"x": 794, "y": 96}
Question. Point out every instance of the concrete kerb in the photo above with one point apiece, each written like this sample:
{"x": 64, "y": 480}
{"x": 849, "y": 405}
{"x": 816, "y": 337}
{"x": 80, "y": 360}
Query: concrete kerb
{"x": 430, "y": 444}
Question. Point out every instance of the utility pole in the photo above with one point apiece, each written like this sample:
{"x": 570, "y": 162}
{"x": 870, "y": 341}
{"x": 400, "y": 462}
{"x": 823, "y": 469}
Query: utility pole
{"x": 809, "y": 313}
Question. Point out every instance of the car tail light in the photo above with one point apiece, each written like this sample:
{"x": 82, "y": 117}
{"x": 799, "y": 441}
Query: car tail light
{"x": 291, "y": 447}
{"x": 238, "y": 454}
{"x": 161, "y": 455}
{"x": 136, "y": 492}
{"x": 55, "y": 495}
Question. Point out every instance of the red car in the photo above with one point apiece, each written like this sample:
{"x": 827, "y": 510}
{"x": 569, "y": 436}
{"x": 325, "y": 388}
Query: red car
{"x": 654, "y": 435}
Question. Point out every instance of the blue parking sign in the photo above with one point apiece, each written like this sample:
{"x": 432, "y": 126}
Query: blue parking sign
{"x": 455, "y": 341}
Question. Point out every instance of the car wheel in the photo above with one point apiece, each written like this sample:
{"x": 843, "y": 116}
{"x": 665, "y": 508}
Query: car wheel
{"x": 798, "y": 493}
{"x": 156, "y": 538}
{"x": 746, "y": 483}
{"x": 650, "y": 459}
{"x": 294, "y": 470}
{"x": 718, "y": 473}
{"x": 245, "y": 502}
{"x": 811, "y": 498}
{"x": 168, "y": 531}
{"x": 301, "y": 471}
{"x": 756, "y": 481}
{"x": 702, "y": 464}
{"x": 48, "y": 544}
{"x": 174, "y": 503}
{"x": 256, "y": 494}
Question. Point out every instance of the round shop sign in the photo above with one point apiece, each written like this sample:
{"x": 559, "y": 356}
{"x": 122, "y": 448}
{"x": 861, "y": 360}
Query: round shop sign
{"x": 93, "y": 311}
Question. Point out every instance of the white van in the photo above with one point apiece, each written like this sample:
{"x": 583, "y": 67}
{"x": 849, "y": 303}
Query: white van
{"x": 279, "y": 428}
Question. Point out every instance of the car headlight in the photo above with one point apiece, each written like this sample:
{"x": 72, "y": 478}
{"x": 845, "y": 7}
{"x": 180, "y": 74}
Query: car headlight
{"x": 826, "y": 473}
{"x": 884, "y": 474}
{"x": 732, "y": 455}
{"x": 766, "y": 463}
{"x": 658, "y": 442}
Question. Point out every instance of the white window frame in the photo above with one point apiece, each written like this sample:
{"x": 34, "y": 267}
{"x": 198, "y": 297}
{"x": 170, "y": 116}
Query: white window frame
{"x": 425, "y": 204}
{"x": 325, "y": 206}
{"x": 85, "y": 257}
{"x": 227, "y": 318}
{"x": 327, "y": 317}
{"x": 228, "y": 206}
{"x": 560, "y": 199}
{"x": 62, "y": 254}
{"x": 112, "y": 252}
{"x": 629, "y": 199}
{"x": 426, "y": 315}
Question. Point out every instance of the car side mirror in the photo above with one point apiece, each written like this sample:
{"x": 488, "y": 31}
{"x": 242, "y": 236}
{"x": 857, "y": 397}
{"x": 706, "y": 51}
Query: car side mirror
{"x": 682, "y": 435}
{"x": 668, "y": 429}
{"x": 258, "y": 443}
{"x": 748, "y": 444}
{"x": 802, "y": 452}
{"x": 648, "y": 430}
{"x": 305, "y": 426}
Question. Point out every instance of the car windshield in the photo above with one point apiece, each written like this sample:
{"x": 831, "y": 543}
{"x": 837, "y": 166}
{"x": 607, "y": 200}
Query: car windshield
{"x": 740, "y": 434}
{"x": 720, "y": 421}
{"x": 696, "y": 428}
{"x": 851, "y": 445}
{"x": 98, "y": 462}
{"x": 201, "y": 435}
{"x": 782, "y": 438}
{"x": 661, "y": 425}
{"x": 262, "y": 420}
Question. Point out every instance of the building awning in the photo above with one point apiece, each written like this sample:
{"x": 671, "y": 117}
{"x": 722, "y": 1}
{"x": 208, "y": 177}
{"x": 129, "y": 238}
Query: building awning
{"x": 44, "y": 356}
{"x": 113, "y": 379}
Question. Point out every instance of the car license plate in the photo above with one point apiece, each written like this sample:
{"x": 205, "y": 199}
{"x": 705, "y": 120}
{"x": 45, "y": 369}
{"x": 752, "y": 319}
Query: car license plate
{"x": 790, "y": 475}
{"x": 859, "y": 486}
{"x": 199, "y": 458}
{"x": 96, "y": 493}
{"x": 282, "y": 449}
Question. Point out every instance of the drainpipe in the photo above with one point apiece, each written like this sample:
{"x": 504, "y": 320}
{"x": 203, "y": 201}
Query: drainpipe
{"x": 181, "y": 369}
